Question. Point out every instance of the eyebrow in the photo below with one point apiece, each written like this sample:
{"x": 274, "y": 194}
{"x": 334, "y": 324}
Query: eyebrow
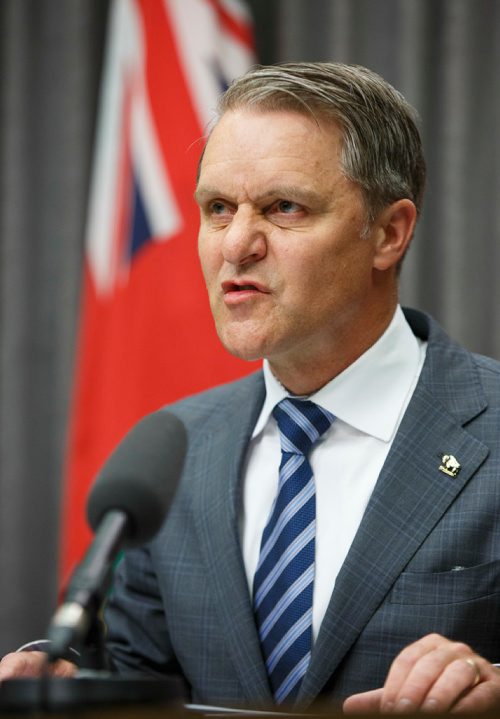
{"x": 284, "y": 192}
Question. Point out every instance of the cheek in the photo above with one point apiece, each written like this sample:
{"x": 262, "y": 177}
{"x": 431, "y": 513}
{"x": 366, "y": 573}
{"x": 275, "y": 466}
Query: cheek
{"x": 324, "y": 281}
{"x": 207, "y": 254}
{"x": 305, "y": 289}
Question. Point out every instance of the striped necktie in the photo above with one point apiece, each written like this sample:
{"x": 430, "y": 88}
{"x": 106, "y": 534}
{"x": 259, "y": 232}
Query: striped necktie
{"x": 283, "y": 582}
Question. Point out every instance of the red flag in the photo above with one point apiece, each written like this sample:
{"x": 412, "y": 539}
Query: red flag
{"x": 146, "y": 335}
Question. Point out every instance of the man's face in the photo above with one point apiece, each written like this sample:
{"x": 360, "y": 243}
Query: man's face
{"x": 289, "y": 273}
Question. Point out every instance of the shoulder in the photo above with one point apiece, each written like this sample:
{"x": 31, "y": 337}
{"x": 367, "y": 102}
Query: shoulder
{"x": 489, "y": 372}
{"x": 452, "y": 371}
{"x": 226, "y": 398}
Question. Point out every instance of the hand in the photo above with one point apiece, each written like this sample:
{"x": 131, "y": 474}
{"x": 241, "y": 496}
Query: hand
{"x": 33, "y": 664}
{"x": 433, "y": 675}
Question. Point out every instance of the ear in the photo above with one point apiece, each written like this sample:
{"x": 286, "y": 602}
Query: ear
{"x": 393, "y": 232}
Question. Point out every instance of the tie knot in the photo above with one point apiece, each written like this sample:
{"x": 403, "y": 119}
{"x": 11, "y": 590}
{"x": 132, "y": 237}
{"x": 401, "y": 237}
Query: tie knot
{"x": 301, "y": 423}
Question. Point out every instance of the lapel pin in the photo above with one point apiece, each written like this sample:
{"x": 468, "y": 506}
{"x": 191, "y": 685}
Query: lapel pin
{"x": 449, "y": 465}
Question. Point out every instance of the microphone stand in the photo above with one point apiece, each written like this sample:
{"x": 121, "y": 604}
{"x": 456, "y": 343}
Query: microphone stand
{"x": 72, "y": 622}
{"x": 71, "y": 630}
{"x": 125, "y": 510}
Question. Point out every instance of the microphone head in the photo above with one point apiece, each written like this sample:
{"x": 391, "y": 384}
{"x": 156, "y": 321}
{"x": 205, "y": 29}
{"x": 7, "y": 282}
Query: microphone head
{"x": 141, "y": 476}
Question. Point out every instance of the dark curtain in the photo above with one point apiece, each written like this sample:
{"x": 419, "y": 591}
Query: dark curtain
{"x": 442, "y": 54}
{"x": 50, "y": 61}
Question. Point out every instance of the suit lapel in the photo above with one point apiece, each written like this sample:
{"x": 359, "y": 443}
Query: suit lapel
{"x": 221, "y": 452}
{"x": 410, "y": 497}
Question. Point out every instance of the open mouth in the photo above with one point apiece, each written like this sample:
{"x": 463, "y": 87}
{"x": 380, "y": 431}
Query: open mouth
{"x": 233, "y": 287}
{"x": 241, "y": 288}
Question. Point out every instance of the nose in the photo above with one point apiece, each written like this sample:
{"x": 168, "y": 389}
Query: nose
{"x": 245, "y": 239}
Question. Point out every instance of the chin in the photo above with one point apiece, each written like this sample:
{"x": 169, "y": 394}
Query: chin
{"x": 249, "y": 341}
{"x": 247, "y": 355}
{"x": 243, "y": 350}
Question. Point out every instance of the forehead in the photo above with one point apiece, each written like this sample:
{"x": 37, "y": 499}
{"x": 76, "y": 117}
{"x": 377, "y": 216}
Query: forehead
{"x": 248, "y": 139}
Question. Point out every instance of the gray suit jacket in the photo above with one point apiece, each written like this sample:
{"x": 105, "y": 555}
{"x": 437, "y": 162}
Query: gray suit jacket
{"x": 426, "y": 557}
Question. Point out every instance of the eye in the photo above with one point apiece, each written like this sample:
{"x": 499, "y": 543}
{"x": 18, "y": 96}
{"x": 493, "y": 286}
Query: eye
{"x": 218, "y": 208}
{"x": 287, "y": 207}
{"x": 286, "y": 212}
{"x": 217, "y": 213}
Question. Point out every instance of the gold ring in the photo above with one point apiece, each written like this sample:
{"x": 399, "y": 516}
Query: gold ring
{"x": 477, "y": 672}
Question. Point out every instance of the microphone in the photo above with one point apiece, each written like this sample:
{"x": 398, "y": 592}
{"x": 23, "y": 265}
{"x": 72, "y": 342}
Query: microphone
{"x": 126, "y": 507}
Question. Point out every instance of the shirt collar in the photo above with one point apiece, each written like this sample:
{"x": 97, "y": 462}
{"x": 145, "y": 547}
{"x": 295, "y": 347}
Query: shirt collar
{"x": 372, "y": 393}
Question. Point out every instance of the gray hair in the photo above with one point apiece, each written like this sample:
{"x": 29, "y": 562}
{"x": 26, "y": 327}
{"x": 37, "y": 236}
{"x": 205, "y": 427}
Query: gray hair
{"x": 382, "y": 149}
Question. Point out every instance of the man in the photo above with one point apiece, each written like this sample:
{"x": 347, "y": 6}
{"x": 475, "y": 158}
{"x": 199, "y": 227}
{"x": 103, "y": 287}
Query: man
{"x": 309, "y": 189}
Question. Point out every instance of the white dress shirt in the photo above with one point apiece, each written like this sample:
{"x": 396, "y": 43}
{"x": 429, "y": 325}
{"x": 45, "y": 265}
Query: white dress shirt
{"x": 368, "y": 399}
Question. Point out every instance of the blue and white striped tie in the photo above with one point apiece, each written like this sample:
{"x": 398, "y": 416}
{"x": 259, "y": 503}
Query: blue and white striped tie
{"x": 283, "y": 583}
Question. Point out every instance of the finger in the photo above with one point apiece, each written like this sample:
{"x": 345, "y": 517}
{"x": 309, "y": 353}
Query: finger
{"x": 63, "y": 668}
{"x": 422, "y": 669}
{"x": 457, "y": 679}
{"x": 400, "y": 672}
{"x": 25, "y": 665}
{"x": 365, "y": 703}
{"x": 484, "y": 696}
{"x": 22, "y": 664}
